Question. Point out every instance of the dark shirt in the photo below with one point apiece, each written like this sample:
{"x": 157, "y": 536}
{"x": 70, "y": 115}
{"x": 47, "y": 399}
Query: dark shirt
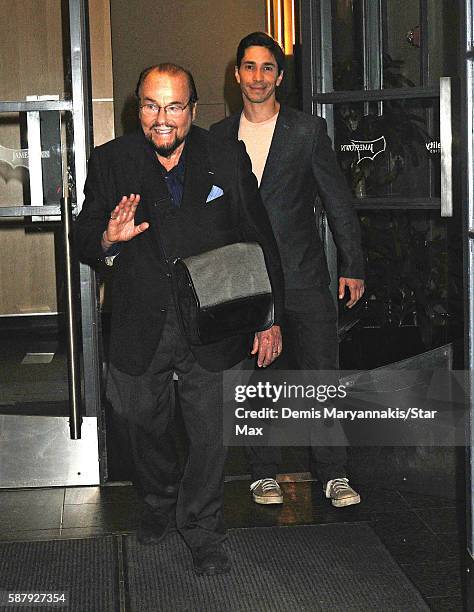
{"x": 174, "y": 179}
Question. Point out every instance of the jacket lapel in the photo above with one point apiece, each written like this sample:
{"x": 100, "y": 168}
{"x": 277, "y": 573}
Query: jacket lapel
{"x": 154, "y": 187}
{"x": 198, "y": 178}
{"x": 278, "y": 146}
{"x": 234, "y": 125}
{"x": 150, "y": 184}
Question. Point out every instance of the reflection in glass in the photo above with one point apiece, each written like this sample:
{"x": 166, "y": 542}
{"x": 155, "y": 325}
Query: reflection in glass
{"x": 420, "y": 42}
{"x": 347, "y": 45}
{"x": 395, "y": 154}
{"x": 400, "y": 57}
{"x": 35, "y": 62}
{"x": 403, "y": 40}
{"x": 442, "y": 40}
{"x": 414, "y": 296}
{"x": 34, "y": 56}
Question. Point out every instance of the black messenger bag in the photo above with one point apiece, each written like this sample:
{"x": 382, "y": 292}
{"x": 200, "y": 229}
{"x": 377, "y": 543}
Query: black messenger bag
{"x": 224, "y": 292}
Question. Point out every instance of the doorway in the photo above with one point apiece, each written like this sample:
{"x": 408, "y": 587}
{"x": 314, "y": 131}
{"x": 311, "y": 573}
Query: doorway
{"x": 393, "y": 79}
{"x": 49, "y": 419}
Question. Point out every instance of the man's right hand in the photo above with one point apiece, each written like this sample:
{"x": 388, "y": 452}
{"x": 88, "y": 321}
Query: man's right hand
{"x": 121, "y": 226}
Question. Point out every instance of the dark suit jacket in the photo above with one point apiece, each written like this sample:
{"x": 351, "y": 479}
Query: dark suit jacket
{"x": 142, "y": 284}
{"x": 301, "y": 167}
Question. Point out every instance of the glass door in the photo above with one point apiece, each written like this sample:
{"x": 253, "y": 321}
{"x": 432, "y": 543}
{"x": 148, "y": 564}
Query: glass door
{"x": 48, "y": 325}
{"x": 385, "y": 75}
{"x": 394, "y": 79}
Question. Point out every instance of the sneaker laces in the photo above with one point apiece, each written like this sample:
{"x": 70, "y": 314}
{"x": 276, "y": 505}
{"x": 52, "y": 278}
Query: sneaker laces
{"x": 337, "y": 485}
{"x": 267, "y": 484}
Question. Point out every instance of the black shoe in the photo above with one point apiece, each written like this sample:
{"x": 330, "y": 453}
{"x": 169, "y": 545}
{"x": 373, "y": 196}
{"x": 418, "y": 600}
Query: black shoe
{"x": 210, "y": 561}
{"x": 154, "y": 526}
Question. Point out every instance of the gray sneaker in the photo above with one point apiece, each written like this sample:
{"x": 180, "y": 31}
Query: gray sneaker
{"x": 266, "y": 491}
{"x": 340, "y": 493}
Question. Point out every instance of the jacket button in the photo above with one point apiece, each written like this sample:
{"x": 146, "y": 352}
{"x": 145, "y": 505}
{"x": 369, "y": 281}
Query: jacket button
{"x": 162, "y": 309}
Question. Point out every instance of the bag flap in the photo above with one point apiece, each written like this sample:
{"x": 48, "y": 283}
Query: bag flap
{"x": 228, "y": 273}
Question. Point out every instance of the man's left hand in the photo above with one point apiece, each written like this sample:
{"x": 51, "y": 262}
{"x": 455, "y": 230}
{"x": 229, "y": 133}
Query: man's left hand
{"x": 355, "y": 286}
{"x": 268, "y": 345}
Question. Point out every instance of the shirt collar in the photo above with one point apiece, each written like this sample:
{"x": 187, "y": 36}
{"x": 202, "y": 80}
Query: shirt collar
{"x": 178, "y": 170}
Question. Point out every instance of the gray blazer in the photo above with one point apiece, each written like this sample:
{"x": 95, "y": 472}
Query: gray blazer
{"x": 301, "y": 169}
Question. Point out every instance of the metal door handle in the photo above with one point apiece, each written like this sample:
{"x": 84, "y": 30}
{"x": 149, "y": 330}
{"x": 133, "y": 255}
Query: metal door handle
{"x": 446, "y": 142}
{"x": 72, "y": 316}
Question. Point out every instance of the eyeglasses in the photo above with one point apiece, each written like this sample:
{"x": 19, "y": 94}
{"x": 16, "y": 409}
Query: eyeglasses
{"x": 173, "y": 110}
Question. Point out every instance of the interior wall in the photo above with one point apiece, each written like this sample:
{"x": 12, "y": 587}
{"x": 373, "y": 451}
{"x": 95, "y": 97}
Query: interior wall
{"x": 201, "y": 35}
{"x": 101, "y": 71}
{"x": 31, "y": 48}
{"x": 32, "y": 64}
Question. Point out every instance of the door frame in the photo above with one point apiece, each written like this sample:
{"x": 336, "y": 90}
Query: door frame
{"x": 467, "y": 141}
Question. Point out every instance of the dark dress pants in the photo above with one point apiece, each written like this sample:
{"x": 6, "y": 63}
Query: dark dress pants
{"x": 143, "y": 408}
{"x": 309, "y": 343}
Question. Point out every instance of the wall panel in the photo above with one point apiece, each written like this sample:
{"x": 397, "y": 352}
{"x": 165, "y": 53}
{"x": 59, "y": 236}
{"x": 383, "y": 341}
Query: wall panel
{"x": 101, "y": 71}
{"x": 31, "y": 48}
{"x": 200, "y": 35}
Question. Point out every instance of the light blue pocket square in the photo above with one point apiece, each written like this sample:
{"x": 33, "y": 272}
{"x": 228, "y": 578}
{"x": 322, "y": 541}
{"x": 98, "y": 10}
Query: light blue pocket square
{"x": 215, "y": 192}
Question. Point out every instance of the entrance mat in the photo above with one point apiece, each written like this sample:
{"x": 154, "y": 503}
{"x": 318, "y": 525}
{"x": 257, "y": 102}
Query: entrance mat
{"x": 85, "y": 570}
{"x": 304, "y": 568}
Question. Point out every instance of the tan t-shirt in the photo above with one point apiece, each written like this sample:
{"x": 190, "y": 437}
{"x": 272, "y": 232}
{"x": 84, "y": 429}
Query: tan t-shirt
{"x": 257, "y": 138}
